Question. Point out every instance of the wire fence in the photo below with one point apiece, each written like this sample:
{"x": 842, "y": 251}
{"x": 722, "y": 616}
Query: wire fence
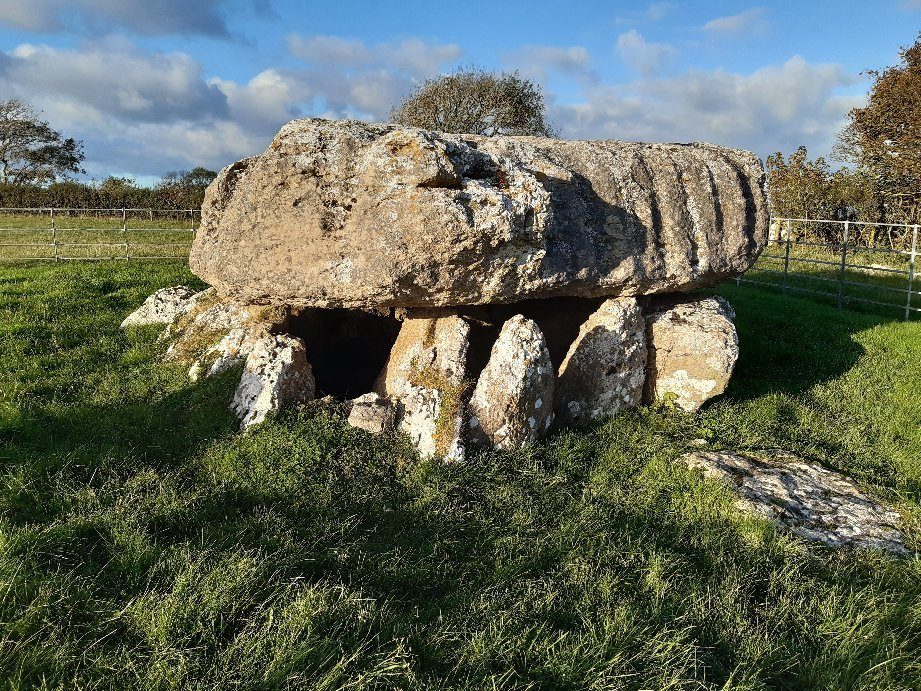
{"x": 850, "y": 263}
{"x": 62, "y": 234}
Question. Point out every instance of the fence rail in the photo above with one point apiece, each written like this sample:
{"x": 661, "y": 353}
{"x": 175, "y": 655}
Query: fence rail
{"x": 850, "y": 268}
{"x": 850, "y": 262}
{"x": 59, "y": 234}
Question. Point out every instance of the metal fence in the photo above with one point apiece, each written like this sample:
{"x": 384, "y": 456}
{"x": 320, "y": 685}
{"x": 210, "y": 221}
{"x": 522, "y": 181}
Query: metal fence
{"x": 850, "y": 262}
{"x": 60, "y": 234}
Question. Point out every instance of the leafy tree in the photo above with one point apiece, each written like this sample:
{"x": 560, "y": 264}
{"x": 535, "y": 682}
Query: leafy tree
{"x": 804, "y": 188}
{"x": 798, "y": 186}
{"x": 473, "y": 101}
{"x": 185, "y": 189}
{"x": 884, "y": 137}
{"x": 31, "y": 152}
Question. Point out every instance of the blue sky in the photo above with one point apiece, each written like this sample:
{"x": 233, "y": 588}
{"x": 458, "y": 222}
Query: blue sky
{"x": 158, "y": 85}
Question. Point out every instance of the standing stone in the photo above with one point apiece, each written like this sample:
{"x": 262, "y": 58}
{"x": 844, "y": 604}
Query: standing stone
{"x": 692, "y": 350}
{"x": 224, "y": 355}
{"x": 162, "y": 307}
{"x": 425, "y": 374}
{"x": 512, "y": 402}
{"x": 276, "y": 376}
{"x": 603, "y": 371}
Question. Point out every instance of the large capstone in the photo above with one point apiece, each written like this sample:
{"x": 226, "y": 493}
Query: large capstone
{"x": 348, "y": 214}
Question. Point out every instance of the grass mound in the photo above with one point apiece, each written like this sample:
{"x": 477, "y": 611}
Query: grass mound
{"x": 145, "y": 544}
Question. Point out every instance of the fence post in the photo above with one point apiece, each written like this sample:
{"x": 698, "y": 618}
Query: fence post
{"x": 124, "y": 221}
{"x": 911, "y": 271}
{"x": 843, "y": 265}
{"x": 786, "y": 256}
{"x": 54, "y": 236}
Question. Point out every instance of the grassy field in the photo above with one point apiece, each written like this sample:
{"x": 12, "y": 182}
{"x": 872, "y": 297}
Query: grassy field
{"x": 806, "y": 277}
{"x": 144, "y": 543}
{"x": 96, "y": 235}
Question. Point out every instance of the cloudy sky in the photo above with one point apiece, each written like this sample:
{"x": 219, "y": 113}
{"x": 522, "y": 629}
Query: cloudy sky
{"x": 158, "y": 85}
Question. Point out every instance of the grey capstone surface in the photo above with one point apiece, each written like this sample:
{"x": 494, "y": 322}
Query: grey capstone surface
{"x": 349, "y": 214}
{"x": 811, "y": 501}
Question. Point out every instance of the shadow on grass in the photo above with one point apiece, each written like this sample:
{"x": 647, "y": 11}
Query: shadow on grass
{"x": 788, "y": 345}
{"x": 89, "y": 443}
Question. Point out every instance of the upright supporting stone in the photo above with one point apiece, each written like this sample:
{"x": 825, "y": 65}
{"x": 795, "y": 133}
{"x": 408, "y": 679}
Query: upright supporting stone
{"x": 425, "y": 373}
{"x": 276, "y": 376}
{"x": 512, "y": 403}
{"x": 693, "y": 348}
{"x": 603, "y": 371}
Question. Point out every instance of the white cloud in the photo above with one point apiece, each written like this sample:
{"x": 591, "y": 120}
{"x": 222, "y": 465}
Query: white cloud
{"x": 147, "y": 112}
{"x": 150, "y": 112}
{"x": 150, "y": 17}
{"x": 644, "y": 56}
{"x": 117, "y": 79}
{"x": 652, "y": 13}
{"x": 775, "y": 108}
{"x": 750, "y": 21}
{"x": 330, "y": 50}
{"x": 539, "y": 62}
{"x": 413, "y": 55}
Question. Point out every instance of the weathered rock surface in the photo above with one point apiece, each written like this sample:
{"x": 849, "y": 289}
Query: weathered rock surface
{"x": 603, "y": 372}
{"x": 692, "y": 348}
{"x": 512, "y": 402}
{"x": 162, "y": 307}
{"x": 347, "y": 214}
{"x": 276, "y": 376}
{"x": 373, "y": 413}
{"x": 216, "y": 334}
{"x": 226, "y": 354}
{"x": 425, "y": 374}
{"x": 809, "y": 500}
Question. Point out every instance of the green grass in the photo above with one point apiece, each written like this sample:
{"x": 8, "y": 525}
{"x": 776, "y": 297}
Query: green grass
{"x": 144, "y": 543}
{"x": 96, "y": 235}
{"x": 861, "y": 284}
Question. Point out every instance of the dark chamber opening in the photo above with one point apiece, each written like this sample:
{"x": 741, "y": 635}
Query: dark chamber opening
{"x": 558, "y": 318}
{"x": 347, "y": 348}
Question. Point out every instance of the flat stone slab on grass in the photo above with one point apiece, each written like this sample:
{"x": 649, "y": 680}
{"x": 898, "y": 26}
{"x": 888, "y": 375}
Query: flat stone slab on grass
{"x": 811, "y": 501}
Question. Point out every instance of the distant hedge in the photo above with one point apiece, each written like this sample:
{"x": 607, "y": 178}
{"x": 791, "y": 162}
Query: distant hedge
{"x": 77, "y": 195}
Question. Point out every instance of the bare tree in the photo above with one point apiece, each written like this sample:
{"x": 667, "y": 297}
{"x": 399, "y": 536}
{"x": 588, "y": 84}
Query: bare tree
{"x": 473, "y": 101}
{"x": 31, "y": 152}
